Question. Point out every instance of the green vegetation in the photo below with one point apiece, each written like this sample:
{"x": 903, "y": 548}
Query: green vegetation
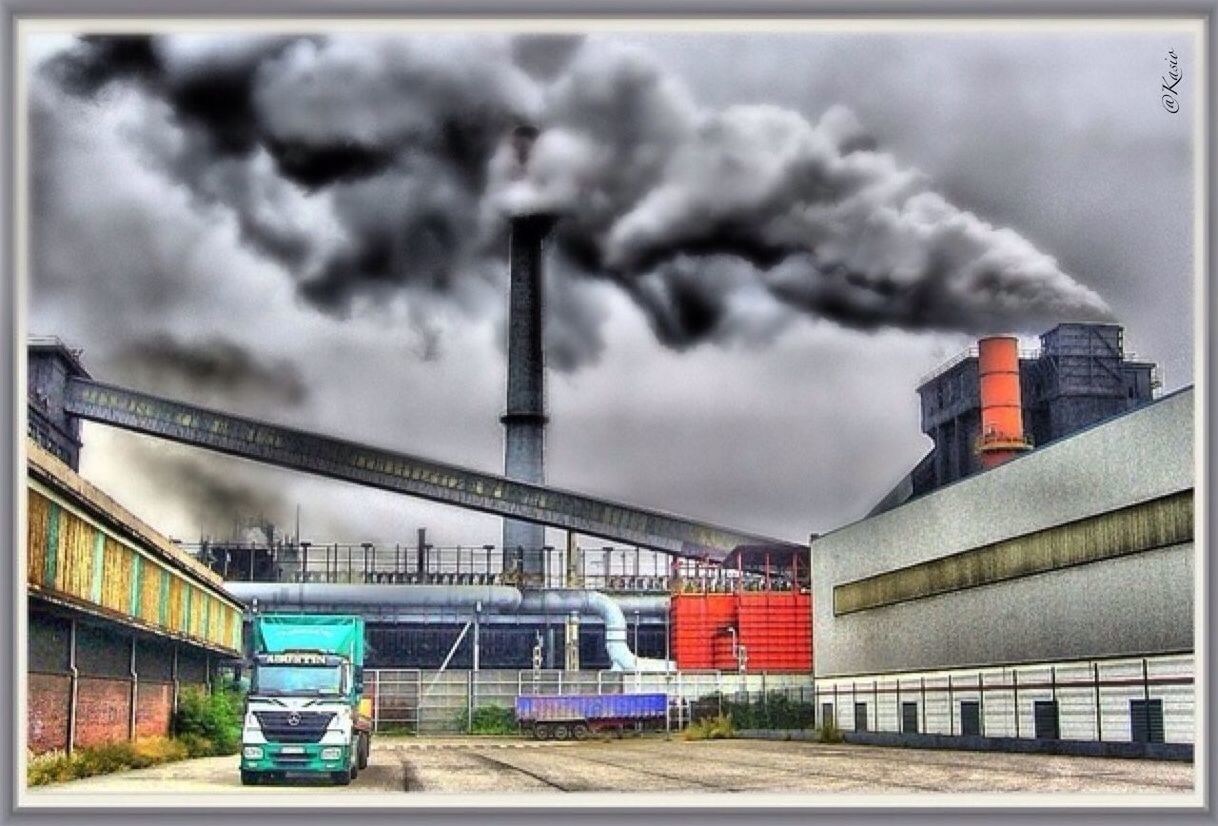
{"x": 58, "y": 767}
{"x": 830, "y": 733}
{"x": 489, "y": 719}
{"x": 719, "y": 727}
{"x": 771, "y": 711}
{"x": 210, "y": 722}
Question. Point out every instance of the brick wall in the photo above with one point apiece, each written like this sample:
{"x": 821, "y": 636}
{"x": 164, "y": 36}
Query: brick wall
{"x": 153, "y": 708}
{"x": 48, "y": 699}
{"x": 103, "y": 709}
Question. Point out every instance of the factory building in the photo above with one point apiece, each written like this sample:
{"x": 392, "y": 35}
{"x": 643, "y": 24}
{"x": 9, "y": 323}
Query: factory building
{"x": 1080, "y": 375}
{"x": 1049, "y": 597}
{"x": 119, "y": 619}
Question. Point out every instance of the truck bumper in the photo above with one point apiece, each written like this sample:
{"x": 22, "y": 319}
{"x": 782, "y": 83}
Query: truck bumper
{"x": 295, "y": 757}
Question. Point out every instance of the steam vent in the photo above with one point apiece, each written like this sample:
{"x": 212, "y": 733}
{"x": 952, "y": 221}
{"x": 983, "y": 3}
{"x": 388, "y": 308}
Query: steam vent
{"x": 525, "y": 420}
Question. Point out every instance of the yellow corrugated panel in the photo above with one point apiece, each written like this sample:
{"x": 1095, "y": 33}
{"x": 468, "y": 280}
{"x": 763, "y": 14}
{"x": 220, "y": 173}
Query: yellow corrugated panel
{"x": 175, "y": 604}
{"x": 76, "y": 555}
{"x": 36, "y": 538}
{"x": 150, "y": 592}
{"x": 115, "y": 588}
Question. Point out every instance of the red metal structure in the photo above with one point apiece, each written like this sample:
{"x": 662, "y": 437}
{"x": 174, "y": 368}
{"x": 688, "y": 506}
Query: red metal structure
{"x": 1002, "y": 435}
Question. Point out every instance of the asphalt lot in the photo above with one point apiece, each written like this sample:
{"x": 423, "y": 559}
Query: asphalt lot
{"x": 654, "y": 764}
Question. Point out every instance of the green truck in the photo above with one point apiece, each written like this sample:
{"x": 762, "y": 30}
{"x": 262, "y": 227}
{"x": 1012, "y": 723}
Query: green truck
{"x": 305, "y": 712}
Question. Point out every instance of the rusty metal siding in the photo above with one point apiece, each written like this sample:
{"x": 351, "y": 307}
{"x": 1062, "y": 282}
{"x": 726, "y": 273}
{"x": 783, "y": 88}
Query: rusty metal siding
{"x": 71, "y": 556}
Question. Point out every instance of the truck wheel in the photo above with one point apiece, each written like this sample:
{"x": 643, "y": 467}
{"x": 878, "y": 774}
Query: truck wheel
{"x": 355, "y": 768}
{"x": 580, "y": 731}
{"x": 342, "y": 778}
{"x": 541, "y": 731}
{"x": 561, "y": 732}
{"x": 365, "y": 746}
{"x": 249, "y": 778}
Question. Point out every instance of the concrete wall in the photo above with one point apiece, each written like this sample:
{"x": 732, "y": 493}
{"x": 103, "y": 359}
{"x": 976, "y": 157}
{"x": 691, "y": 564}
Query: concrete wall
{"x": 1136, "y": 604}
{"x": 102, "y": 711}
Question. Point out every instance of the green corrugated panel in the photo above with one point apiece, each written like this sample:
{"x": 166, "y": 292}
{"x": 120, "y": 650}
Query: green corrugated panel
{"x": 99, "y": 556}
{"x": 188, "y": 592}
{"x": 163, "y": 607}
{"x": 137, "y": 577}
{"x": 52, "y": 553}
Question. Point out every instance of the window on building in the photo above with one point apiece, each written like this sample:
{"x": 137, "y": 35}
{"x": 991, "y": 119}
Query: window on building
{"x": 909, "y": 718}
{"x": 1146, "y": 720}
{"x": 1044, "y": 718}
{"x": 826, "y": 714}
{"x": 970, "y": 718}
{"x": 860, "y": 716}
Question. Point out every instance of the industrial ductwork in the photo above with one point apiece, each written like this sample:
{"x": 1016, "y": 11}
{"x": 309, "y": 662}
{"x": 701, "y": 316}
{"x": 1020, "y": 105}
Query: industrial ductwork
{"x": 500, "y": 599}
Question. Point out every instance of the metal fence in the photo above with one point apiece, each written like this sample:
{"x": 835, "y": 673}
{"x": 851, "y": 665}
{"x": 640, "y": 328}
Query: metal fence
{"x": 1147, "y": 699}
{"x": 607, "y": 568}
{"x": 442, "y": 702}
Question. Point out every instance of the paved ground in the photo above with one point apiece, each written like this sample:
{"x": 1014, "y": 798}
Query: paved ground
{"x": 654, "y": 764}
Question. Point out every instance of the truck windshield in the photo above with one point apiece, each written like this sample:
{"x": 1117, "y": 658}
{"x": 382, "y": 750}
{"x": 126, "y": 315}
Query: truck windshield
{"x": 297, "y": 679}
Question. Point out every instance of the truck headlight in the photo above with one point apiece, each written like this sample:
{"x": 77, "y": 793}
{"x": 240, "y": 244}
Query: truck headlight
{"x": 252, "y": 752}
{"x": 333, "y": 753}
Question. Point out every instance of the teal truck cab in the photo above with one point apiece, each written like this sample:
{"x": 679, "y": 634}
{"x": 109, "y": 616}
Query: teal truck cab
{"x": 305, "y": 712}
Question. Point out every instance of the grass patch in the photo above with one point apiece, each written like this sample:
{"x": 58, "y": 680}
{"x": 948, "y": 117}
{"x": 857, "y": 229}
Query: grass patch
{"x": 719, "y": 727}
{"x": 830, "y": 733}
{"x": 489, "y": 719}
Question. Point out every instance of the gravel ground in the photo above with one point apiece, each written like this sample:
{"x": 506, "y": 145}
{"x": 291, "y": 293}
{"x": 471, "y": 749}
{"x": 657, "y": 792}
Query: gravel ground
{"x": 654, "y": 764}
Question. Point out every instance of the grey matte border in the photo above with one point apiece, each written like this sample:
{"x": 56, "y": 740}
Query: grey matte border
{"x": 11, "y": 349}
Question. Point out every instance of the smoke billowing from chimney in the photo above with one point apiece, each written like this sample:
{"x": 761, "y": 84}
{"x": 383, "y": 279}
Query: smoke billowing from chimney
{"x": 373, "y": 165}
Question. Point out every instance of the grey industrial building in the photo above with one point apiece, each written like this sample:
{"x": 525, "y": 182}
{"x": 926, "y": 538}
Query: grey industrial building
{"x": 1049, "y": 597}
{"x": 1080, "y": 375}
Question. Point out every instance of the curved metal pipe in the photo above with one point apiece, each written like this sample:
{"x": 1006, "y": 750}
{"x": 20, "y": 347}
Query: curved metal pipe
{"x": 554, "y": 601}
{"x": 494, "y": 598}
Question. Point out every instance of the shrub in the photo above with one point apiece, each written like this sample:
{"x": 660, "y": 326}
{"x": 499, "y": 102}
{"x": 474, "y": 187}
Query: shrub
{"x": 58, "y": 767}
{"x": 489, "y": 719}
{"x": 720, "y": 727}
{"x": 214, "y": 718}
{"x": 52, "y": 767}
{"x": 830, "y": 733}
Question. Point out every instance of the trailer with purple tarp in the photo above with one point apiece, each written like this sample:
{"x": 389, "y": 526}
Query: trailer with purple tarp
{"x": 563, "y": 716}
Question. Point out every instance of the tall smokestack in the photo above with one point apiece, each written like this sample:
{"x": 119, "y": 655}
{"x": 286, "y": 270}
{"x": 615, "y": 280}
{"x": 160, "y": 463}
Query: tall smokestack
{"x": 1002, "y": 437}
{"x": 525, "y": 420}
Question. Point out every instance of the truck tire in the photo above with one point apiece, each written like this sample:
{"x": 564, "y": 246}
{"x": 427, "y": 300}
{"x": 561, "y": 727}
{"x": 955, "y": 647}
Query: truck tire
{"x": 541, "y": 731}
{"x": 249, "y": 778}
{"x": 562, "y": 732}
{"x": 365, "y": 746}
{"x": 580, "y": 731}
{"x": 342, "y": 778}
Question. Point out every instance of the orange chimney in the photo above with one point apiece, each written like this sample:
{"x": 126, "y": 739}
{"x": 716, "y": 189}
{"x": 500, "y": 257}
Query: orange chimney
{"x": 1001, "y": 435}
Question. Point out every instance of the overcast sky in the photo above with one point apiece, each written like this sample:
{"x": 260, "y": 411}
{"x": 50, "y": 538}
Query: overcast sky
{"x": 766, "y": 241}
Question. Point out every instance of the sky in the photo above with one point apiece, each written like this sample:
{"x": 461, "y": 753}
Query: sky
{"x": 764, "y": 242}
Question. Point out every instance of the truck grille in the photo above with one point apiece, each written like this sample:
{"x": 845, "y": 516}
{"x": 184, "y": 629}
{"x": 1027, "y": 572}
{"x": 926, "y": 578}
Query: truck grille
{"x": 277, "y": 726}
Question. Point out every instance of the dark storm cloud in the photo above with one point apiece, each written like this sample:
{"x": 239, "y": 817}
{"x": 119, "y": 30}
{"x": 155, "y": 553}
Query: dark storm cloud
{"x": 401, "y": 142}
{"x": 211, "y": 366}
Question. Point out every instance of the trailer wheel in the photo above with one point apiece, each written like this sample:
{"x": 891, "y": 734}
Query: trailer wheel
{"x": 342, "y": 778}
{"x": 580, "y": 731}
{"x": 561, "y": 732}
{"x": 541, "y": 731}
{"x": 249, "y": 778}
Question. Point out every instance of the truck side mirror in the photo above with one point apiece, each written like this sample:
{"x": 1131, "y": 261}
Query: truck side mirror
{"x": 359, "y": 678}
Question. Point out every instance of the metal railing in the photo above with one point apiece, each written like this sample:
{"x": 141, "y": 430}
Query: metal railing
{"x": 606, "y": 568}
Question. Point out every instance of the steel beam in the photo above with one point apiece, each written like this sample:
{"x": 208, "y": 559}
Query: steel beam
{"x": 402, "y": 473}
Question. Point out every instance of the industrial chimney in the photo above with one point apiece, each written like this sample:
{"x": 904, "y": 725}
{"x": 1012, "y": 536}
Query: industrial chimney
{"x": 525, "y": 420}
{"x": 1002, "y": 436}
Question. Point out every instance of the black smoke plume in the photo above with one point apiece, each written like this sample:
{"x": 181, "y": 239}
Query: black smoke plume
{"x": 370, "y": 166}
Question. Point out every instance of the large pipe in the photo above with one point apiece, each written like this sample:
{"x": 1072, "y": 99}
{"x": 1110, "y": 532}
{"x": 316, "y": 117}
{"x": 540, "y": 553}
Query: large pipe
{"x": 493, "y": 598}
{"x": 553, "y": 601}
{"x": 1002, "y": 437}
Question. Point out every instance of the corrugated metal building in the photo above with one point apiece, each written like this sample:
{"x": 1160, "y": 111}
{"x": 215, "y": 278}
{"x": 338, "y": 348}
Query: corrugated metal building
{"x": 118, "y": 618}
{"x": 1051, "y": 596}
